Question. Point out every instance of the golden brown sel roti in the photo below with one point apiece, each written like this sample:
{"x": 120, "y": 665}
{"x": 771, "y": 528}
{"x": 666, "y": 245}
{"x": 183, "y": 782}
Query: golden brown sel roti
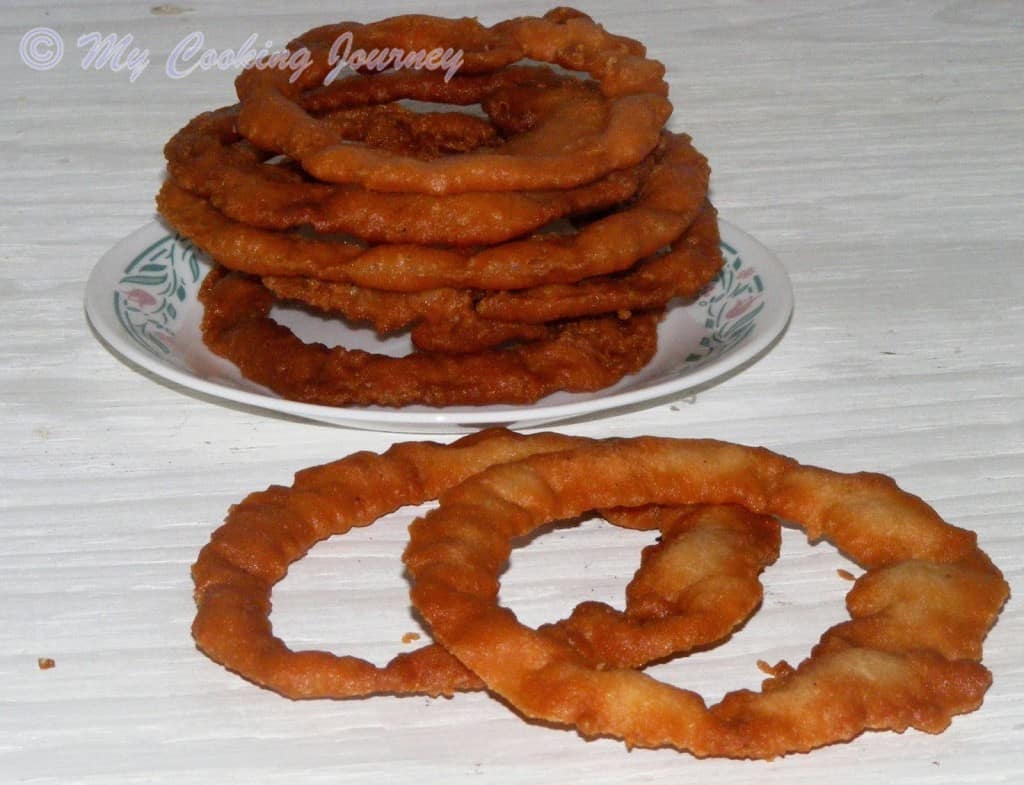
{"x": 441, "y": 320}
{"x": 572, "y": 146}
{"x": 207, "y": 158}
{"x": 719, "y": 553}
{"x": 458, "y": 320}
{"x": 683, "y": 271}
{"x": 693, "y": 588}
{"x": 908, "y": 657}
{"x": 524, "y": 214}
{"x": 669, "y": 200}
{"x": 583, "y": 355}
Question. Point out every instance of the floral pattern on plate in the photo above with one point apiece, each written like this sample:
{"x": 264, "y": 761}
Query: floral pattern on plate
{"x": 154, "y": 286}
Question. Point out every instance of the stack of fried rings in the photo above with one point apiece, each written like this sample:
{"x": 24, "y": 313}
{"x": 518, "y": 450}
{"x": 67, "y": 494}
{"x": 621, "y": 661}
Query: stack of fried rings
{"x": 909, "y": 656}
{"x": 528, "y": 250}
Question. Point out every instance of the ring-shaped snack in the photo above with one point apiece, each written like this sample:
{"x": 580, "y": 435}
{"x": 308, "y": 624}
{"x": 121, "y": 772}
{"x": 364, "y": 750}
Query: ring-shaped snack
{"x": 908, "y": 657}
{"x": 691, "y": 590}
{"x": 581, "y": 355}
{"x": 558, "y": 153}
{"x": 207, "y": 158}
{"x": 669, "y": 200}
{"x": 453, "y": 320}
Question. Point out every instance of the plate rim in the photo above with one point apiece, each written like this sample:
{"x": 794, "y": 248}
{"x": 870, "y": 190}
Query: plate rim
{"x": 747, "y": 351}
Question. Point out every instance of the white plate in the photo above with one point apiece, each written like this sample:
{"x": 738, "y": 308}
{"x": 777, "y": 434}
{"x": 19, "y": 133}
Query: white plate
{"x": 141, "y": 299}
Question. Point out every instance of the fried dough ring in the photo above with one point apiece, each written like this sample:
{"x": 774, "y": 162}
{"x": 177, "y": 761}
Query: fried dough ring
{"x": 426, "y": 135}
{"x": 360, "y": 90}
{"x": 565, "y": 151}
{"x": 442, "y": 320}
{"x": 907, "y": 658}
{"x": 683, "y": 271}
{"x": 203, "y": 159}
{"x": 693, "y": 588}
{"x": 581, "y": 356}
{"x": 265, "y": 533}
{"x": 455, "y": 320}
{"x": 669, "y": 200}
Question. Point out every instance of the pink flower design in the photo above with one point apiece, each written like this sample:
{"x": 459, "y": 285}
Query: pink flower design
{"x": 739, "y": 307}
{"x": 744, "y": 274}
{"x": 140, "y": 297}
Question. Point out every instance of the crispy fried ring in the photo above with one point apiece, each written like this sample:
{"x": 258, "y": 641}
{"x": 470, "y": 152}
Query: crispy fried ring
{"x": 463, "y": 89}
{"x": 668, "y": 202}
{"x": 203, "y": 158}
{"x": 234, "y": 574}
{"x": 683, "y": 271}
{"x": 584, "y": 355}
{"x": 909, "y": 657}
{"x": 425, "y": 134}
{"x": 564, "y": 151}
{"x": 441, "y": 320}
{"x": 694, "y": 585}
{"x": 452, "y": 320}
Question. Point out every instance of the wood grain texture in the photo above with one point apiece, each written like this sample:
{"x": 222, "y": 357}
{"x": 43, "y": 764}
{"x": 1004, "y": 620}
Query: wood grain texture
{"x": 877, "y": 148}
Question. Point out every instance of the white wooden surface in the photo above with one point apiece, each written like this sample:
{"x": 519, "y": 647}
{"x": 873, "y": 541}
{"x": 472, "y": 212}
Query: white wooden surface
{"x": 878, "y": 148}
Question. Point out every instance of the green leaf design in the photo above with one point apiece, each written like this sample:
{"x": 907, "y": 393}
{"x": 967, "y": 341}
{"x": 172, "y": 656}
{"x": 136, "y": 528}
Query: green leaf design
{"x": 144, "y": 280}
{"x": 735, "y": 283}
{"x": 154, "y": 284}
